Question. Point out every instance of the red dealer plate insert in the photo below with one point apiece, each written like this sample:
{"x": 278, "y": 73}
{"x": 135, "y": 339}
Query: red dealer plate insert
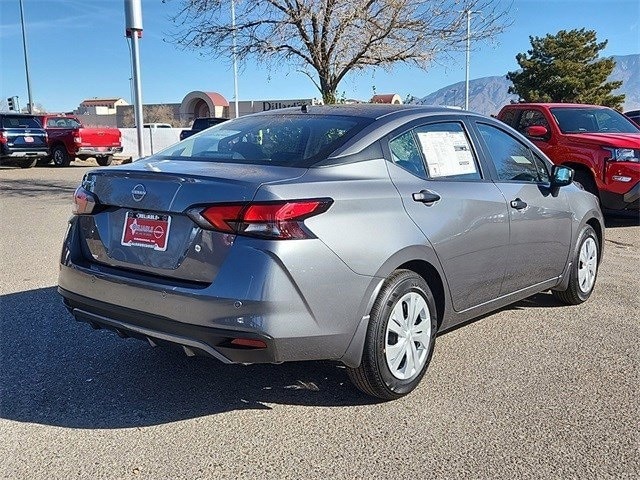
{"x": 146, "y": 230}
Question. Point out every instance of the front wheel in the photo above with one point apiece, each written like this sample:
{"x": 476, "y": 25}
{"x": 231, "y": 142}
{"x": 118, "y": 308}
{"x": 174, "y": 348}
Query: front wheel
{"x": 400, "y": 338}
{"x": 104, "y": 161}
{"x": 584, "y": 269}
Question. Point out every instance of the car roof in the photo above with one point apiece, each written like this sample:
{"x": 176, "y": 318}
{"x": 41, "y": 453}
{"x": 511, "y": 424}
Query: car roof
{"x": 372, "y": 111}
{"x": 555, "y": 105}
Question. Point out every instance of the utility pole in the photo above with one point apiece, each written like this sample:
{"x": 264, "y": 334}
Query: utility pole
{"x": 235, "y": 55}
{"x": 466, "y": 81}
{"x": 133, "y": 22}
{"x": 26, "y": 59}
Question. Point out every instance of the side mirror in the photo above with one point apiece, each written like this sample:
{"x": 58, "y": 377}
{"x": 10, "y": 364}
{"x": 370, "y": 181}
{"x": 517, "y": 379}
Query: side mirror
{"x": 537, "y": 131}
{"x": 561, "y": 176}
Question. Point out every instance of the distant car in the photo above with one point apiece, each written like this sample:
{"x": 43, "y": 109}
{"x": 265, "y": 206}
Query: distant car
{"x": 599, "y": 143}
{"x": 157, "y": 125}
{"x": 350, "y": 233}
{"x": 200, "y": 124}
{"x": 22, "y": 140}
{"x": 634, "y": 116}
{"x": 69, "y": 139}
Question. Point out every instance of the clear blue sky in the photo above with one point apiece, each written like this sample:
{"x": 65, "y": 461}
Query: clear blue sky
{"x": 77, "y": 50}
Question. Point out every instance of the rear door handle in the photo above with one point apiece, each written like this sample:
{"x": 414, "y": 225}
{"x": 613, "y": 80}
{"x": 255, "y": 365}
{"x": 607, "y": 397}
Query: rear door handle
{"x": 518, "y": 204}
{"x": 426, "y": 196}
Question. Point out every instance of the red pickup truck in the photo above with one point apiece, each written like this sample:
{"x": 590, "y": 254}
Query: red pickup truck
{"x": 69, "y": 140}
{"x": 600, "y": 144}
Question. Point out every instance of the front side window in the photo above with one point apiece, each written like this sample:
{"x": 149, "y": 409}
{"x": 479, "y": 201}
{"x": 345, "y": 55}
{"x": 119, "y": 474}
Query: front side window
{"x": 532, "y": 118}
{"x": 279, "y": 140}
{"x": 513, "y": 160}
{"x": 447, "y": 151}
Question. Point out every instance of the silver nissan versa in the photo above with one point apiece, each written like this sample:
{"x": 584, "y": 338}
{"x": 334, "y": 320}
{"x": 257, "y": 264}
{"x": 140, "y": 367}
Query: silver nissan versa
{"x": 350, "y": 233}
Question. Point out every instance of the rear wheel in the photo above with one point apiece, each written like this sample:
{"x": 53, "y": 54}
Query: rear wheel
{"x": 400, "y": 338}
{"x": 27, "y": 162}
{"x": 584, "y": 269}
{"x": 60, "y": 156}
{"x": 104, "y": 161}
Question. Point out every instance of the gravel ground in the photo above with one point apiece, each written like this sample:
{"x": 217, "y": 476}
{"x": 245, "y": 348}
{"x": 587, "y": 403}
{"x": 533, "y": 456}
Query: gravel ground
{"x": 537, "y": 390}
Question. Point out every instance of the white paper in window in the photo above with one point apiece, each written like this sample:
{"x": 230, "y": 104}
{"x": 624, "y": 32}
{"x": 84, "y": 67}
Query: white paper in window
{"x": 447, "y": 153}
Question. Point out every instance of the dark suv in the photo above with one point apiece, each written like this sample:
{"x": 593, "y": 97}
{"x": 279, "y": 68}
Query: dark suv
{"x": 200, "y": 124}
{"x": 22, "y": 140}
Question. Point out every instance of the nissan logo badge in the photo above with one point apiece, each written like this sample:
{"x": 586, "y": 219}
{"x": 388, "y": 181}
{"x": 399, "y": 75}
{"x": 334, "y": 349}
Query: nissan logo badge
{"x": 138, "y": 192}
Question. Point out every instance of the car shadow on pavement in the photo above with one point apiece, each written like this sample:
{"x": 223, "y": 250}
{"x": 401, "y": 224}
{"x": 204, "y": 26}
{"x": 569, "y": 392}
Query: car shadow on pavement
{"x": 619, "y": 220}
{"x": 56, "y": 371}
{"x": 37, "y": 188}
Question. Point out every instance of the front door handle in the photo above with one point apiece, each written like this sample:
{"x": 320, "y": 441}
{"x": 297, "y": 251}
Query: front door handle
{"x": 426, "y": 196}
{"x": 518, "y": 204}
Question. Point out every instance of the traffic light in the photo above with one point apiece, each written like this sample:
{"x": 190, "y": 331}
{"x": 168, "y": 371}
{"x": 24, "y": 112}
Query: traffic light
{"x": 12, "y": 105}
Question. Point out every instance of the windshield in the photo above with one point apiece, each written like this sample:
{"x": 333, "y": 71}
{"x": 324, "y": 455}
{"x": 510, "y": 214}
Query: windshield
{"x": 20, "y": 122}
{"x": 280, "y": 140}
{"x": 592, "y": 120}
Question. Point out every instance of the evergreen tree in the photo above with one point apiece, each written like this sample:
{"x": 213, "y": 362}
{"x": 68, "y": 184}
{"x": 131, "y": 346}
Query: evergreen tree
{"x": 565, "y": 68}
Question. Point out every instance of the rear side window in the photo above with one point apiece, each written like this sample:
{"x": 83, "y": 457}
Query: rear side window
{"x": 9, "y": 121}
{"x": 513, "y": 160}
{"x": 280, "y": 140}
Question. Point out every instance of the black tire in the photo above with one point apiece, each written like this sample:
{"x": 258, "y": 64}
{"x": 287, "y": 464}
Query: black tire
{"x": 584, "y": 178}
{"x": 575, "y": 294}
{"x": 104, "y": 161}
{"x": 44, "y": 161}
{"x": 60, "y": 156}
{"x": 27, "y": 162}
{"x": 374, "y": 376}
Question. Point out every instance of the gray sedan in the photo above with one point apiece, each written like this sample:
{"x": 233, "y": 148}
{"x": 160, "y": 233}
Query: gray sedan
{"x": 350, "y": 233}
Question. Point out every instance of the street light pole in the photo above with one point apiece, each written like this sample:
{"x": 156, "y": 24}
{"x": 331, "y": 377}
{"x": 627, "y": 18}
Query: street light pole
{"x": 26, "y": 59}
{"x": 466, "y": 81}
{"x": 235, "y": 56}
{"x": 133, "y": 23}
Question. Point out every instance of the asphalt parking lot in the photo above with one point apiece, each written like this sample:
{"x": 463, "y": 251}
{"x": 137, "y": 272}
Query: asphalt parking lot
{"x": 537, "y": 390}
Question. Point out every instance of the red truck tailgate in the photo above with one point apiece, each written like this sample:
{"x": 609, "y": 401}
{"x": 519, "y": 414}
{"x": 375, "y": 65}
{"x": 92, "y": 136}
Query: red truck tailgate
{"x": 99, "y": 137}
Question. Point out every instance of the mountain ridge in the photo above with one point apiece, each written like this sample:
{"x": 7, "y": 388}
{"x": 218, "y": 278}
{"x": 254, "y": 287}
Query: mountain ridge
{"x": 488, "y": 94}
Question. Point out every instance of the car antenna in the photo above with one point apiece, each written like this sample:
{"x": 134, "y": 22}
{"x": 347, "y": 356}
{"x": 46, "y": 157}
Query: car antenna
{"x": 304, "y": 108}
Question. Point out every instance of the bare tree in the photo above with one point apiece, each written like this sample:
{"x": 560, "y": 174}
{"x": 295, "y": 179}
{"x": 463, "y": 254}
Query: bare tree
{"x": 326, "y": 39}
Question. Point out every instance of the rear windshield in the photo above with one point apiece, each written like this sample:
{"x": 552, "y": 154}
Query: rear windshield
{"x": 592, "y": 120}
{"x": 281, "y": 140}
{"x": 20, "y": 122}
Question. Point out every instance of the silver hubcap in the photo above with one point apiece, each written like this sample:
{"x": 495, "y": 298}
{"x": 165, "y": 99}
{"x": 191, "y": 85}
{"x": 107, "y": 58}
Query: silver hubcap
{"x": 57, "y": 156}
{"x": 408, "y": 336}
{"x": 587, "y": 265}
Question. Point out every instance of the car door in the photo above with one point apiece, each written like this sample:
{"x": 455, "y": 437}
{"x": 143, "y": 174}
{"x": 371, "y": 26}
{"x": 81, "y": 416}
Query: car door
{"x": 461, "y": 212}
{"x": 539, "y": 217}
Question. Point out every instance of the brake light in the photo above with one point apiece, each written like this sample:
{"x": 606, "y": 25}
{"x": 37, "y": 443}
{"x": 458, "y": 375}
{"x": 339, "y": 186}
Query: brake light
{"x": 77, "y": 138}
{"x": 83, "y": 201}
{"x": 4, "y": 137}
{"x": 277, "y": 220}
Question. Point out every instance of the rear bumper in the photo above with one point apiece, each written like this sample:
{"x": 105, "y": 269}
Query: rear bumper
{"x": 12, "y": 154}
{"x": 98, "y": 151}
{"x": 193, "y": 339}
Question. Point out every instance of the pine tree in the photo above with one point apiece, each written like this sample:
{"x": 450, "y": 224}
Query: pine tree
{"x": 565, "y": 68}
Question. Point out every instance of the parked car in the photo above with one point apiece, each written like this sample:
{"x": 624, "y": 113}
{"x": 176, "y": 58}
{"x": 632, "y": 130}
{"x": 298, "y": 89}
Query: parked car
{"x": 69, "y": 140}
{"x": 600, "y": 144}
{"x": 351, "y": 233}
{"x": 634, "y": 116}
{"x": 22, "y": 140}
{"x": 200, "y": 124}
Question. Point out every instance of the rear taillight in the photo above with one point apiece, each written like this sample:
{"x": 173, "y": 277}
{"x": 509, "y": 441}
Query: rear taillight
{"x": 83, "y": 202}
{"x": 77, "y": 138}
{"x": 277, "y": 220}
{"x": 4, "y": 137}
